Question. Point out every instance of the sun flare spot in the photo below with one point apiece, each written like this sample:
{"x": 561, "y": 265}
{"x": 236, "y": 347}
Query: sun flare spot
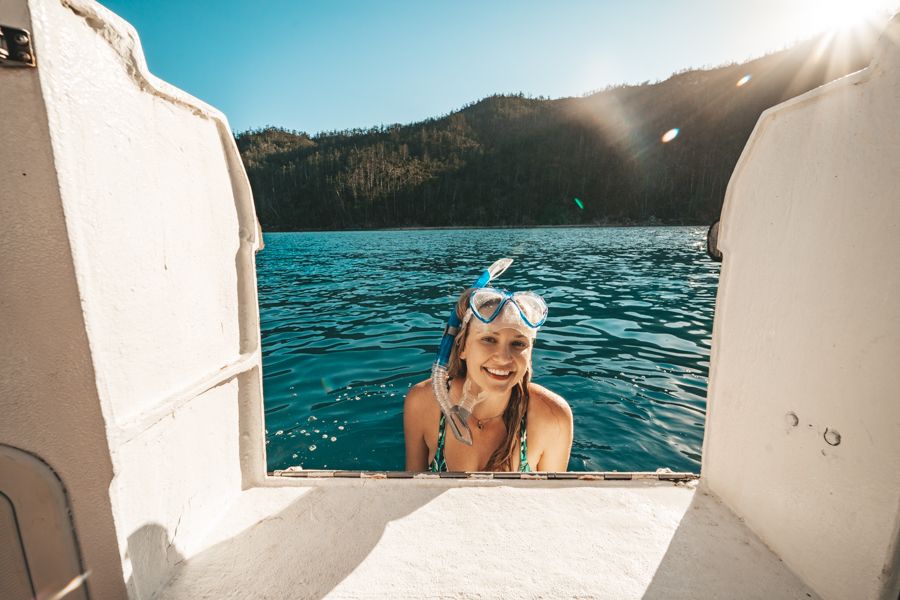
{"x": 744, "y": 80}
{"x": 670, "y": 135}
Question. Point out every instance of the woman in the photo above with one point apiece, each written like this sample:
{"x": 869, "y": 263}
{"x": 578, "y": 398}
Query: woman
{"x": 515, "y": 425}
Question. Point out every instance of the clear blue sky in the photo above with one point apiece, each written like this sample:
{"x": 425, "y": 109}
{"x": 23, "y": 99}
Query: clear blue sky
{"x": 316, "y": 65}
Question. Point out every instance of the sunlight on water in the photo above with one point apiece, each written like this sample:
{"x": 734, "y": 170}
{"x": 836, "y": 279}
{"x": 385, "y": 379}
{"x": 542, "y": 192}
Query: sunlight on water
{"x": 350, "y": 320}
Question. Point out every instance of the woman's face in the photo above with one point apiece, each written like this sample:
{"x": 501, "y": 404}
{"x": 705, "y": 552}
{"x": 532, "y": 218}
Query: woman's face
{"x": 497, "y": 356}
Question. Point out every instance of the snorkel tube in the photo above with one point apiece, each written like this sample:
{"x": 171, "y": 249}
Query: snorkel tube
{"x": 458, "y": 414}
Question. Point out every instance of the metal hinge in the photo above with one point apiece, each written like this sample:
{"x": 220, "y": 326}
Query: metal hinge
{"x": 15, "y": 47}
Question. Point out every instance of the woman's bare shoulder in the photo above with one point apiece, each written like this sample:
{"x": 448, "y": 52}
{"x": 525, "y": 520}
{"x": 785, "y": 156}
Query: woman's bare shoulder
{"x": 420, "y": 399}
{"x": 550, "y": 428}
{"x": 544, "y": 400}
{"x": 547, "y": 407}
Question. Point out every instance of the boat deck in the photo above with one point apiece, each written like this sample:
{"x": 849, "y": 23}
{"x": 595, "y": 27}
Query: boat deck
{"x": 498, "y": 539}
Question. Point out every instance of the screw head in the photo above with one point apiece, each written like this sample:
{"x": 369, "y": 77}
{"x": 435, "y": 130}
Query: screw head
{"x": 24, "y": 57}
{"x": 21, "y": 39}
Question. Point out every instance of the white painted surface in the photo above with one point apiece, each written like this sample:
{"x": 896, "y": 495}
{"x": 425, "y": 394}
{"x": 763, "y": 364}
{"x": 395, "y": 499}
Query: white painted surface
{"x": 129, "y": 292}
{"x": 181, "y": 493}
{"x": 412, "y": 539}
{"x": 48, "y": 397}
{"x": 808, "y": 324}
{"x": 150, "y": 216}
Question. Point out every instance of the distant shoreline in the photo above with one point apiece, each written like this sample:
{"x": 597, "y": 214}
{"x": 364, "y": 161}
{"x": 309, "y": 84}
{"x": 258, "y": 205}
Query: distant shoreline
{"x": 466, "y": 227}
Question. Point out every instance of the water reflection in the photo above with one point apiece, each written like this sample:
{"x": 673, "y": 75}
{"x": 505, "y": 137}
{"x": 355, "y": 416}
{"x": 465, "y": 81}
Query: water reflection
{"x": 351, "y": 319}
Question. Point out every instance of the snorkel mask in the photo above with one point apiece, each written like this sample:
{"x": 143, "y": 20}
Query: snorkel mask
{"x": 488, "y": 305}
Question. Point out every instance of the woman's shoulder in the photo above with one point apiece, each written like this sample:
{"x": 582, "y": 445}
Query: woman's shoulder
{"x": 548, "y": 406}
{"x": 420, "y": 399}
{"x": 550, "y": 429}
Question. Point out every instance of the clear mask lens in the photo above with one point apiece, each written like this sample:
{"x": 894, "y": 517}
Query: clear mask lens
{"x": 488, "y": 303}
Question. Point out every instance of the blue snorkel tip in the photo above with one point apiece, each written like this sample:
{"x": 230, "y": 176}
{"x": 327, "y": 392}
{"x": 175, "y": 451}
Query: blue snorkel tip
{"x": 483, "y": 280}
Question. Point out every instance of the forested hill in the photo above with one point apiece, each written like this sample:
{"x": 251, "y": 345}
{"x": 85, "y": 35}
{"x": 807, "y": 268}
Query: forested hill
{"x": 513, "y": 160}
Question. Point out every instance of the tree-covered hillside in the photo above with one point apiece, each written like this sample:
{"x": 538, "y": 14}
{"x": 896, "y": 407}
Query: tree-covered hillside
{"x": 513, "y": 160}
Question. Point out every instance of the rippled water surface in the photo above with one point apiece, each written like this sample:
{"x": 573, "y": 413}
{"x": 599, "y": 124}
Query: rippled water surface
{"x": 351, "y": 319}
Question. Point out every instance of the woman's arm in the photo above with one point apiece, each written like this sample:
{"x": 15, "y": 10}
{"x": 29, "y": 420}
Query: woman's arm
{"x": 414, "y": 418}
{"x": 556, "y": 431}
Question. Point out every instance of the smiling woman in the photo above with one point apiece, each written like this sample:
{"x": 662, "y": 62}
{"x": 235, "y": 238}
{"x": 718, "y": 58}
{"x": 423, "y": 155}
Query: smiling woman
{"x": 514, "y": 424}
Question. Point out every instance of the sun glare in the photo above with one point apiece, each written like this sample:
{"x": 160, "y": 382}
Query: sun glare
{"x": 837, "y": 15}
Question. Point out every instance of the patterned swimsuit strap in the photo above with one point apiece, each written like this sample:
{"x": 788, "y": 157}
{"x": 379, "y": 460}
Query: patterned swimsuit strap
{"x": 439, "y": 463}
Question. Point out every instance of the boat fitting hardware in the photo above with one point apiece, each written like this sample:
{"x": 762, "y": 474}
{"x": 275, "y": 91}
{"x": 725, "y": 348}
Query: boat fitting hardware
{"x": 832, "y": 437}
{"x": 15, "y": 47}
{"x": 712, "y": 242}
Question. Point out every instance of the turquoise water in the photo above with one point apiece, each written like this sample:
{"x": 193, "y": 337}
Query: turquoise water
{"x": 351, "y": 319}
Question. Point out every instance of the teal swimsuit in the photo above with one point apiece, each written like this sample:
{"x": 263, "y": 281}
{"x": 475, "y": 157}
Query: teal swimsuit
{"x": 439, "y": 463}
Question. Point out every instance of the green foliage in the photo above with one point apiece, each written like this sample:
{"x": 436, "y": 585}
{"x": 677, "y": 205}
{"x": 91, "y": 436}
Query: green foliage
{"x": 511, "y": 160}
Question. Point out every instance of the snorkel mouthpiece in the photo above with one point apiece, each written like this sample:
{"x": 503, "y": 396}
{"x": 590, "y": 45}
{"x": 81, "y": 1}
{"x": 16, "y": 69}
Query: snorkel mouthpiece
{"x": 458, "y": 414}
{"x": 459, "y": 424}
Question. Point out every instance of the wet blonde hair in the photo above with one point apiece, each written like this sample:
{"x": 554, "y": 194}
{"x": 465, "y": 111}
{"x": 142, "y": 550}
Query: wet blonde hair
{"x": 501, "y": 459}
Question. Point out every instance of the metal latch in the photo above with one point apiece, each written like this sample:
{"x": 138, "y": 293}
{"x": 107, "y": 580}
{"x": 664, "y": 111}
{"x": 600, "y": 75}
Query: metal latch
{"x": 15, "y": 47}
